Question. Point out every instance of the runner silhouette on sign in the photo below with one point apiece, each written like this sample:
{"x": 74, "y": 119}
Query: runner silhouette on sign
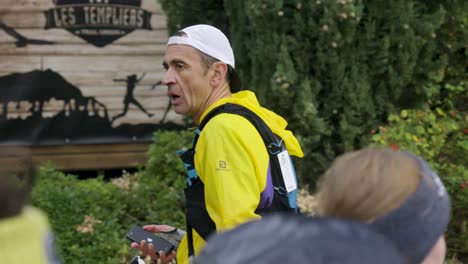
{"x": 131, "y": 82}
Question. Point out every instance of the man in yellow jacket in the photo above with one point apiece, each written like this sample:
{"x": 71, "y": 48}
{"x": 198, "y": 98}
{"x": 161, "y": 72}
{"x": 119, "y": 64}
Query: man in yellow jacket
{"x": 231, "y": 175}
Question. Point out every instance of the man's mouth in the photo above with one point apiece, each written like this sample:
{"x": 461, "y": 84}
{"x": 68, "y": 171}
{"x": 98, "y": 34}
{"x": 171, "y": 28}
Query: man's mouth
{"x": 174, "y": 99}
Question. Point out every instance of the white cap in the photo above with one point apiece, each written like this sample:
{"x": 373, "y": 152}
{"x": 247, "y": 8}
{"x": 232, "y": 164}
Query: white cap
{"x": 208, "y": 40}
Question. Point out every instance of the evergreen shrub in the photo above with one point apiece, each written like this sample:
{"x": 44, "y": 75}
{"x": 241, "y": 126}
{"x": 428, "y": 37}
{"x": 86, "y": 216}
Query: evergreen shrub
{"x": 183, "y": 13}
{"x": 336, "y": 69}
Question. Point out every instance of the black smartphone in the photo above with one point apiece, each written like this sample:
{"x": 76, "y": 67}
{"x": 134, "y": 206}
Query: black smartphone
{"x": 137, "y": 234}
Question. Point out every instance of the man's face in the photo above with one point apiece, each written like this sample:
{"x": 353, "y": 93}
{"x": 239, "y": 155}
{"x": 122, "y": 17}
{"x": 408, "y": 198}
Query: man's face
{"x": 187, "y": 80}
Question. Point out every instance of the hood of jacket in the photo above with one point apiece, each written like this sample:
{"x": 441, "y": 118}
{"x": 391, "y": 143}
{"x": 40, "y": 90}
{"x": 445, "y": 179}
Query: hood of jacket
{"x": 276, "y": 123}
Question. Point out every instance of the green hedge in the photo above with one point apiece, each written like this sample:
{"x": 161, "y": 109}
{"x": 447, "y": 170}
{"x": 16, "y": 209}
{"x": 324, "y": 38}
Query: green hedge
{"x": 439, "y": 135}
{"x": 91, "y": 217}
{"x": 336, "y": 69}
{"x": 181, "y": 14}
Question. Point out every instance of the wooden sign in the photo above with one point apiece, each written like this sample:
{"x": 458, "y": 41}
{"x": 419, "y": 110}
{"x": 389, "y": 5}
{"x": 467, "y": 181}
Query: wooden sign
{"x": 76, "y": 74}
{"x": 65, "y": 77}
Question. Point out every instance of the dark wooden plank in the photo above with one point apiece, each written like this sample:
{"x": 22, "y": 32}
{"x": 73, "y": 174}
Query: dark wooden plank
{"x": 74, "y": 149}
{"x": 106, "y": 160}
{"x": 99, "y": 156}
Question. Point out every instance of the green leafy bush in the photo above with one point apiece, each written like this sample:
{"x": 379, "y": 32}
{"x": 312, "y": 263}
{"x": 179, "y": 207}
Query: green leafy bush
{"x": 93, "y": 205}
{"x": 439, "y": 135}
{"x": 91, "y": 217}
{"x": 162, "y": 182}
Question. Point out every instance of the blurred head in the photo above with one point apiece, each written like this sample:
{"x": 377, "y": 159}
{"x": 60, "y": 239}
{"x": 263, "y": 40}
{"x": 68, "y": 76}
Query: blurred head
{"x": 396, "y": 192}
{"x": 366, "y": 184}
{"x": 15, "y": 183}
{"x": 291, "y": 238}
{"x": 199, "y": 64}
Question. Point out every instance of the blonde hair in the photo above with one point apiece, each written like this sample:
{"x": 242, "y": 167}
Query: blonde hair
{"x": 366, "y": 184}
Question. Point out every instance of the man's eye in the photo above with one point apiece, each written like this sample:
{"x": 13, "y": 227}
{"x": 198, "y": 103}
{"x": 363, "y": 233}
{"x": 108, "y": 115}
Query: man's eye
{"x": 179, "y": 66}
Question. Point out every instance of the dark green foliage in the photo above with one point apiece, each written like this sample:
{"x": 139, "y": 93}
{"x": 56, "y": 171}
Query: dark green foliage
{"x": 75, "y": 207}
{"x": 452, "y": 39}
{"x": 335, "y": 69}
{"x": 184, "y": 13}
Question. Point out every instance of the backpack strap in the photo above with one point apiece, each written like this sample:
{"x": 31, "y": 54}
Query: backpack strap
{"x": 265, "y": 132}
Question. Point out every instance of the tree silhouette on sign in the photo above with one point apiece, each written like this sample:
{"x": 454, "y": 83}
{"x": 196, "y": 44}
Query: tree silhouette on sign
{"x": 22, "y": 41}
{"x": 129, "y": 98}
{"x": 37, "y": 87}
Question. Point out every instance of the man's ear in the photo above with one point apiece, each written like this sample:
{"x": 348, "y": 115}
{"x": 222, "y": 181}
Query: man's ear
{"x": 219, "y": 73}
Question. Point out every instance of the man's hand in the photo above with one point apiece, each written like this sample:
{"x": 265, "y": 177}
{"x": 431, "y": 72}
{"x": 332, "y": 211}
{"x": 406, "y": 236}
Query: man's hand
{"x": 148, "y": 249}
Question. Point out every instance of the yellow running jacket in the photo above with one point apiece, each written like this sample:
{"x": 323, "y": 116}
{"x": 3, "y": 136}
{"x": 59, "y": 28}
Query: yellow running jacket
{"x": 232, "y": 162}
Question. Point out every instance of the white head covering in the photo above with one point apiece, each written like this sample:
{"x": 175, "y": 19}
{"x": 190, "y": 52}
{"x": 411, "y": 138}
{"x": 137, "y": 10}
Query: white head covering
{"x": 208, "y": 40}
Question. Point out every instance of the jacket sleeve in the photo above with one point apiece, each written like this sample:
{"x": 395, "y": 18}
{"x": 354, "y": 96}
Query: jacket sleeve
{"x": 232, "y": 162}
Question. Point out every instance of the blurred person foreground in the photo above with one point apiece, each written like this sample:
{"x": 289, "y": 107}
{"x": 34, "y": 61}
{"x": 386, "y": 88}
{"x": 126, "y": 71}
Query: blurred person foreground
{"x": 395, "y": 192}
{"x": 25, "y": 234}
{"x": 289, "y": 238}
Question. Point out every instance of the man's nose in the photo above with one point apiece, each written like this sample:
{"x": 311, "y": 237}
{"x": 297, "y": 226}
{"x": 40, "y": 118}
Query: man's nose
{"x": 168, "y": 78}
